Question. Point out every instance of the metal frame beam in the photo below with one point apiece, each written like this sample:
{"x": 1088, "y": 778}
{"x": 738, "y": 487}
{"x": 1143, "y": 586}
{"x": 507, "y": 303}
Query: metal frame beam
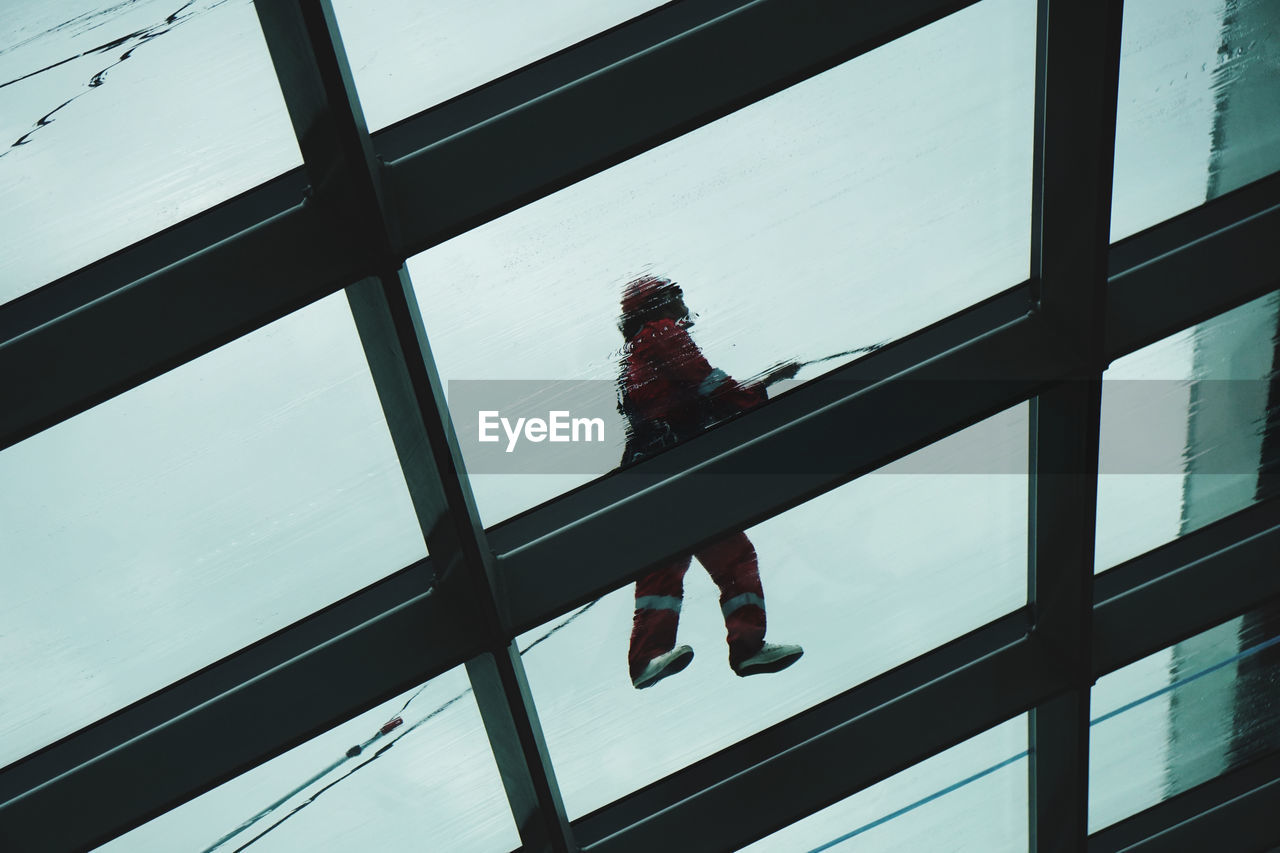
{"x": 1077, "y": 73}
{"x": 1193, "y": 267}
{"x": 757, "y": 467}
{"x": 129, "y": 780}
{"x": 180, "y": 294}
{"x": 637, "y": 103}
{"x": 1238, "y": 806}
{"x": 75, "y": 360}
{"x": 1188, "y": 586}
{"x": 320, "y": 94}
{"x": 814, "y": 729}
{"x": 1226, "y": 560}
{"x": 862, "y": 749}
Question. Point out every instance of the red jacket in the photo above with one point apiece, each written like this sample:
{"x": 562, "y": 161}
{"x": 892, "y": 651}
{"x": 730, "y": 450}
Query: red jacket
{"x": 669, "y": 392}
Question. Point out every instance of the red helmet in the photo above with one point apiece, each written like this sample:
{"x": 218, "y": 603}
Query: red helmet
{"x": 642, "y": 293}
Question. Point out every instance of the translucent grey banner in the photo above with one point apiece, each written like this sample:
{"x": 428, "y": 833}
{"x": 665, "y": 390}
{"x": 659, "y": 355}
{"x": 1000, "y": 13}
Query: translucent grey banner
{"x": 1148, "y": 427}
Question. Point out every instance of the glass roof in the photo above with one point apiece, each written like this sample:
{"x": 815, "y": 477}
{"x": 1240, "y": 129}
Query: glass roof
{"x": 407, "y": 55}
{"x": 1182, "y": 716}
{"x": 970, "y": 797}
{"x": 119, "y": 119}
{"x": 795, "y": 233}
{"x": 864, "y": 577}
{"x": 426, "y": 782}
{"x": 1196, "y": 116}
{"x": 191, "y": 516}
{"x": 1184, "y": 422}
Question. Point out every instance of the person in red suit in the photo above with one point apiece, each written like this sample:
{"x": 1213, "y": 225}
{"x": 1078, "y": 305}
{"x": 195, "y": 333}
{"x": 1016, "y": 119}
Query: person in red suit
{"x": 668, "y": 392}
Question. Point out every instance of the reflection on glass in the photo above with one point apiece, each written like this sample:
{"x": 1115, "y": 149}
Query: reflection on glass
{"x": 853, "y": 208}
{"x": 972, "y": 797}
{"x": 1182, "y": 716}
{"x": 1190, "y": 426}
{"x": 1196, "y": 112}
{"x": 190, "y": 516}
{"x": 866, "y": 577}
{"x": 1246, "y": 86}
{"x": 120, "y": 119}
{"x": 407, "y": 55}
{"x": 427, "y": 781}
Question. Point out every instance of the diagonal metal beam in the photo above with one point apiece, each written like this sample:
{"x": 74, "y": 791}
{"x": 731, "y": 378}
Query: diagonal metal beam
{"x": 745, "y": 471}
{"x": 1238, "y": 807}
{"x": 315, "y": 78}
{"x": 396, "y": 346}
{"x": 808, "y": 730}
{"x": 636, "y": 103}
{"x": 848, "y": 757}
{"x": 126, "y": 782}
{"x": 1191, "y": 268}
{"x": 176, "y": 314}
{"x": 1146, "y": 604}
{"x": 341, "y": 625}
{"x": 173, "y": 303}
{"x": 1188, "y": 586}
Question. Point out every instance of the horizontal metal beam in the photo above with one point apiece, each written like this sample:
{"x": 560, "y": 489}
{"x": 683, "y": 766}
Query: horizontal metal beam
{"x": 1201, "y": 580}
{"x": 533, "y": 81}
{"x": 815, "y": 722}
{"x": 178, "y": 313}
{"x": 1237, "y": 810}
{"x": 743, "y": 472}
{"x": 178, "y": 295}
{"x": 1193, "y": 267}
{"x": 190, "y": 738}
{"x": 865, "y": 748}
{"x": 680, "y": 803}
{"x": 148, "y": 319}
{"x": 156, "y": 252}
{"x": 1224, "y": 565}
{"x": 635, "y": 104}
{"x": 214, "y": 680}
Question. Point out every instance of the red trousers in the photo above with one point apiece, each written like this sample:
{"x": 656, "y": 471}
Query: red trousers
{"x": 731, "y": 562}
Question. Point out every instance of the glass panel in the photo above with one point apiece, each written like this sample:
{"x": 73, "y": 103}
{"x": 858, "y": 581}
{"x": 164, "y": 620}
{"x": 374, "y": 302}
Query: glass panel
{"x": 407, "y": 55}
{"x": 853, "y": 208}
{"x": 1199, "y": 81}
{"x": 190, "y": 516}
{"x": 1188, "y": 425}
{"x": 970, "y": 797}
{"x": 865, "y": 577}
{"x": 434, "y": 786}
{"x": 120, "y": 119}
{"x": 1180, "y": 717}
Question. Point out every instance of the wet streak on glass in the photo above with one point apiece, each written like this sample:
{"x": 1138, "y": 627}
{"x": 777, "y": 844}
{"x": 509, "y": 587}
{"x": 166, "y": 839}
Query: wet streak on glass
{"x": 120, "y": 119}
{"x": 865, "y": 577}
{"x": 1188, "y": 424}
{"x": 407, "y": 56}
{"x": 191, "y": 516}
{"x": 413, "y": 773}
{"x": 1246, "y": 83}
{"x": 1171, "y": 721}
{"x": 853, "y": 208}
{"x": 971, "y": 797}
{"x": 1199, "y": 94}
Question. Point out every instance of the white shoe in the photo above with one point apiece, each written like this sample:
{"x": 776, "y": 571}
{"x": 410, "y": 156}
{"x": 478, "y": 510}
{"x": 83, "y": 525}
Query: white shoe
{"x": 772, "y": 657}
{"x": 668, "y": 663}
